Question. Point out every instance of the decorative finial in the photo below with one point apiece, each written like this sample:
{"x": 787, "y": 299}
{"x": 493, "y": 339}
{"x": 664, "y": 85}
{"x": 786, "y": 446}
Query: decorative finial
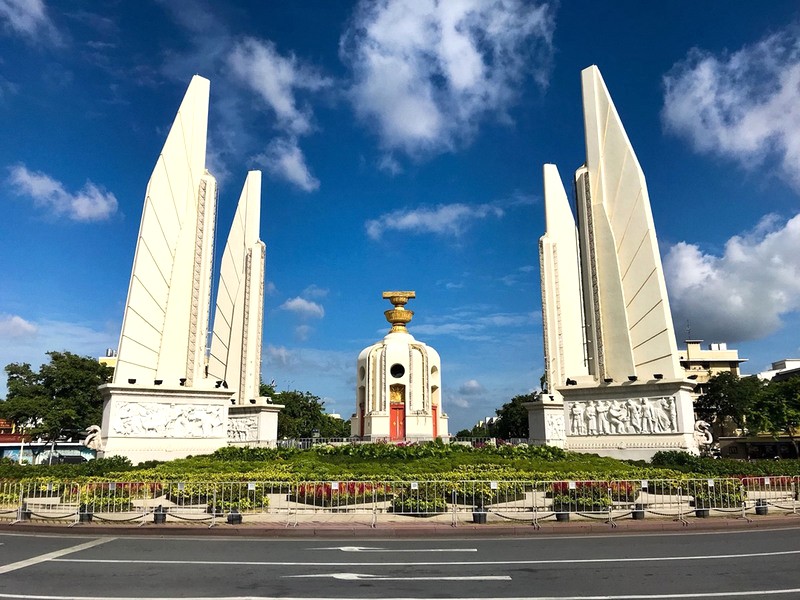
{"x": 399, "y": 316}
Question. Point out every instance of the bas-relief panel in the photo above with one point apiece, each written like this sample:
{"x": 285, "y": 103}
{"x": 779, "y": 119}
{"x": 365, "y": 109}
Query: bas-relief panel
{"x": 243, "y": 429}
{"x": 554, "y": 426}
{"x": 146, "y": 419}
{"x": 623, "y": 417}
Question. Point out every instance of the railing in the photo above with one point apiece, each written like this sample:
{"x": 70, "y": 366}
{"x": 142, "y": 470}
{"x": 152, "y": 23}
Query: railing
{"x": 370, "y": 502}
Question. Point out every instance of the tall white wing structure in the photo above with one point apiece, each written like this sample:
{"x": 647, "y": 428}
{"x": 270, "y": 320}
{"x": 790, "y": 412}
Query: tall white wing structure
{"x": 562, "y": 310}
{"x": 238, "y": 321}
{"x": 165, "y": 324}
{"x": 615, "y": 386}
{"x": 625, "y": 294}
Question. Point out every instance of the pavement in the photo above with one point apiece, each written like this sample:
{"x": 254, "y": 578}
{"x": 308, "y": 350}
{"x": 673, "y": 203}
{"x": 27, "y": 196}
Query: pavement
{"x": 358, "y": 527}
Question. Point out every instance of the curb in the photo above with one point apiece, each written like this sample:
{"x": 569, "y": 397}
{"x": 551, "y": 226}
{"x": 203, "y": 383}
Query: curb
{"x": 398, "y": 530}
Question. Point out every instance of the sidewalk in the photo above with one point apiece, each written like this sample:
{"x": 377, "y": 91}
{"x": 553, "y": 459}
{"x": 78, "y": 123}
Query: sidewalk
{"x": 356, "y": 527}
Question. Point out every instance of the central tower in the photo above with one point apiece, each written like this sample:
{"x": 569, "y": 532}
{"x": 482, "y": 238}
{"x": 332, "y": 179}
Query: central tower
{"x": 399, "y": 389}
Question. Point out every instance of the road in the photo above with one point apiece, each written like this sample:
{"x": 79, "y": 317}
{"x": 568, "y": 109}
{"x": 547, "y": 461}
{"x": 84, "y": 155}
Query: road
{"x": 731, "y": 564}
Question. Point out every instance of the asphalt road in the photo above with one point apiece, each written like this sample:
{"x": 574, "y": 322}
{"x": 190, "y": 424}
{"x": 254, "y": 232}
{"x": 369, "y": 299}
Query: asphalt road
{"x": 731, "y": 564}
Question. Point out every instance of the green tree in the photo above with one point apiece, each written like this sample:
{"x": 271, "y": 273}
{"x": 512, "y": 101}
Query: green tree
{"x": 727, "y": 396}
{"x": 61, "y": 397}
{"x": 303, "y": 415}
{"x": 513, "y": 417}
{"x": 777, "y": 410}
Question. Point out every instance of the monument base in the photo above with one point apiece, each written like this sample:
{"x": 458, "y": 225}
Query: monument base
{"x": 632, "y": 447}
{"x": 546, "y": 422}
{"x": 631, "y": 420}
{"x": 254, "y": 424}
{"x": 162, "y": 422}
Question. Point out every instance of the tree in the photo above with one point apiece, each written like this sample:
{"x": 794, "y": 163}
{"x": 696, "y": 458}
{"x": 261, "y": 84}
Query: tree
{"x": 777, "y": 410}
{"x": 303, "y": 415}
{"x": 728, "y": 396}
{"x": 61, "y": 397}
{"x": 513, "y": 417}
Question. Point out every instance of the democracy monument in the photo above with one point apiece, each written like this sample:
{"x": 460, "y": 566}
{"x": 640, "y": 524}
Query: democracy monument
{"x": 615, "y": 385}
{"x": 614, "y": 382}
{"x": 170, "y": 397}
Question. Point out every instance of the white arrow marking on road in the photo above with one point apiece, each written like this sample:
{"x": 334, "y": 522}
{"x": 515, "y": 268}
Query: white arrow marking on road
{"x": 359, "y": 576}
{"x": 368, "y": 549}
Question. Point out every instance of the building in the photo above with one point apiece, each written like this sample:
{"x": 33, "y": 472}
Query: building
{"x": 781, "y": 370}
{"x": 615, "y": 385}
{"x": 700, "y": 364}
{"x": 399, "y": 384}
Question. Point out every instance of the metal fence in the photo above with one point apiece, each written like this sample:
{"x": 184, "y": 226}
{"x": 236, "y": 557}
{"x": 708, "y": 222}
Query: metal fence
{"x": 370, "y": 502}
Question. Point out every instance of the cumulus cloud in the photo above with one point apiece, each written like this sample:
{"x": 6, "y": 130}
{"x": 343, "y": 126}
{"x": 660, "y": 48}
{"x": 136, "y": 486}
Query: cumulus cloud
{"x": 91, "y": 203}
{"x": 284, "y": 159}
{"x": 744, "y": 105}
{"x": 278, "y": 80}
{"x": 304, "y": 308}
{"x": 471, "y": 387}
{"x": 426, "y": 72}
{"x": 742, "y": 294}
{"x": 29, "y": 19}
{"x": 444, "y": 219}
{"x": 14, "y": 326}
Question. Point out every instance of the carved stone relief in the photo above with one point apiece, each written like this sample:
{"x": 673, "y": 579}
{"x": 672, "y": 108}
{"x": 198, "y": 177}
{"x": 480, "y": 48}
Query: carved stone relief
{"x": 243, "y": 429}
{"x": 623, "y": 417}
{"x": 168, "y": 420}
{"x": 554, "y": 427}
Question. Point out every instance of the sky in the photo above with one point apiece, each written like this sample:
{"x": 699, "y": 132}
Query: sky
{"x": 402, "y": 144}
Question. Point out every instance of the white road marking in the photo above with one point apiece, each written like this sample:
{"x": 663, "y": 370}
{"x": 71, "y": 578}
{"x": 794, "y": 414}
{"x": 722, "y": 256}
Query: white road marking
{"x": 737, "y": 594}
{"x": 393, "y": 551}
{"x": 567, "y": 561}
{"x": 52, "y": 555}
{"x": 359, "y": 576}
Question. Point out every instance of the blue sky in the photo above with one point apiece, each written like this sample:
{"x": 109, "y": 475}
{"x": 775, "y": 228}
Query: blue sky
{"x": 401, "y": 145}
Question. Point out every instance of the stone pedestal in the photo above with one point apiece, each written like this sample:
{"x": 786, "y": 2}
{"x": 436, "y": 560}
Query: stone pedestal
{"x": 254, "y": 424}
{"x": 546, "y": 421}
{"x": 631, "y": 420}
{"x": 162, "y": 422}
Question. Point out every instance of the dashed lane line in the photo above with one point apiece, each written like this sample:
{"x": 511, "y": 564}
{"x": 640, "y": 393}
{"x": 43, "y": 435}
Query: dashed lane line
{"x": 52, "y": 555}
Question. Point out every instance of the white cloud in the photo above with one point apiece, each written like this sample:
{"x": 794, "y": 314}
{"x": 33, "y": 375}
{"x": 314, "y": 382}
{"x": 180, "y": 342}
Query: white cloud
{"x": 426, "y": 72}
{"x": 277, "y": 80}
{"x": 476, "y": 325}
{"x": 283, "y": 158}
{"x": 303, "y": 332}
{"x": 305, "y": 360}
{"x": 14, "y": 326}
{"x": 304, "y": 308}
{"x": 314, "y": 291}
{"x": 28, "y": 341}
{"x": 445, "y": 219}
{"x": 744, "y": 105}
{"x": 91, "y": 203}
{"x": 742, "y": 294}
{"x": 29, "y": 18}
{"x": 471, "y": 387}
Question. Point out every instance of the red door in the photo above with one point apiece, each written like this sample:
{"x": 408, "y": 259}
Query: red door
{"x": 397, "y": 423}
{"x": 435, "y": 411}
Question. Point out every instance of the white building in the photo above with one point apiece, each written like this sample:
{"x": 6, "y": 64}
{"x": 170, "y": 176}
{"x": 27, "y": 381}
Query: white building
{"x": 399, "y": 384}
